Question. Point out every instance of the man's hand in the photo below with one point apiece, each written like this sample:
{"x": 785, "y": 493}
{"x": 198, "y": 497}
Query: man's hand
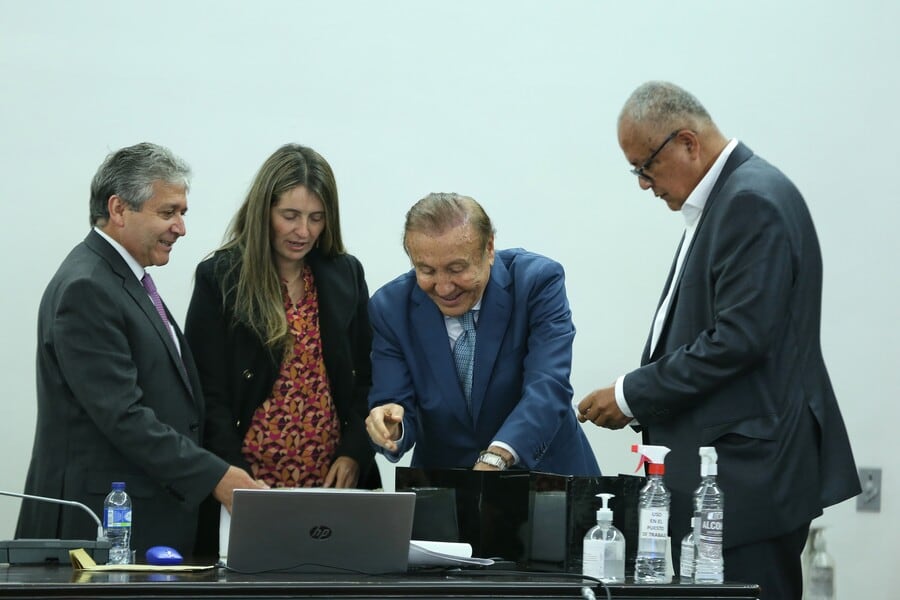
{"x": 383, "y": 425}
{"x": 233, "y": 479}
{"x": 344, "y": 473}
{"x": 600, "y": 408}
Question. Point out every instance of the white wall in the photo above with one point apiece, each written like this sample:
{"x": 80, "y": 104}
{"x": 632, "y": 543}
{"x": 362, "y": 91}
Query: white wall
{"x": 513, "y": 102}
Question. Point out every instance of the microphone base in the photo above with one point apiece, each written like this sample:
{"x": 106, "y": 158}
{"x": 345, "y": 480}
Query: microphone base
{"x": 30, "y": 552}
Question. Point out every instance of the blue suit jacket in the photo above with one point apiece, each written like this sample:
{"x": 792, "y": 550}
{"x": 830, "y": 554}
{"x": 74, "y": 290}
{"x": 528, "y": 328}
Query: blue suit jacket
{"x": 739, "y": 364}
{"x": 521, "y": 393}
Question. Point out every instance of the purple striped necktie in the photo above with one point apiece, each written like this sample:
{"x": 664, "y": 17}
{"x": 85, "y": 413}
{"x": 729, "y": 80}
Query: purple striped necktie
{"x": 148, "y": 284}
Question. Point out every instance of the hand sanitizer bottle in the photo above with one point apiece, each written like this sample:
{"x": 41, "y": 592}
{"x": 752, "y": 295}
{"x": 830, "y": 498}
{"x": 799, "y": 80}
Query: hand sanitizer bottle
{"x": 604, "y": 547}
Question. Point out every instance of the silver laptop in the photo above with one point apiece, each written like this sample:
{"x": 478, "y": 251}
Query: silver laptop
{"x": 318, "y": 530}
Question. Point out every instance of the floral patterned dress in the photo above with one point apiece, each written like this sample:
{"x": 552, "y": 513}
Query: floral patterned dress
{"x": 294, "y": 434}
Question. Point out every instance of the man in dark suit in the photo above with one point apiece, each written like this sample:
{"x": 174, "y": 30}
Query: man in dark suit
{"x": 507, "y": 399}
{"x": 734, "y": 358}
{"x": 118, "y": 394}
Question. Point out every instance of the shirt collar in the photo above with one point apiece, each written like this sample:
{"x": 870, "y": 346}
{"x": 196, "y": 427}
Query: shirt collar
{"x": 475, "y": 308}
{"x": 696, "y": 201}
{"x": 134, "y": 265}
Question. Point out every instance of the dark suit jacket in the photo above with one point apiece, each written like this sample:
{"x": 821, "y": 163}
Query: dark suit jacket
{"x": 521, "y": 393}
{"x": 739, "y": 363}
{"x": 238, "y": 371}
{"x": 114, "y": 404}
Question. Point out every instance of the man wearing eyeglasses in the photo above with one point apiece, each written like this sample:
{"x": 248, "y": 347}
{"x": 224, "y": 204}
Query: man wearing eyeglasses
{"x": 733, "y": 359}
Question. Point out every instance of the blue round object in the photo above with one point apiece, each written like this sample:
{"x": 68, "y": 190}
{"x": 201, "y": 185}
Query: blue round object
{"x": 163, "y": 555}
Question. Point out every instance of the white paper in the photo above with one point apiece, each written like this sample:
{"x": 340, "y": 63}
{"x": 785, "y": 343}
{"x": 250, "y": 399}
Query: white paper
{"x": 224, "y": 530}
{"x": 425, "y": 553}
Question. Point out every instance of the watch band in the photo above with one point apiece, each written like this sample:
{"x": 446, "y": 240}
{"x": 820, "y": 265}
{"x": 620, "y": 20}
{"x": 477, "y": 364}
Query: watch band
{"x": 493, "y": 459}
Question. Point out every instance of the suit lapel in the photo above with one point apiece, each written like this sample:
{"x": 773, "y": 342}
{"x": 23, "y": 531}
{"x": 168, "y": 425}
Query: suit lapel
{"x": 429, "y": 327}
{"x": 328, "y": 286}
{"x": 739, "y": 155}
{"x": 645, "y": 357}
{"x": 493, "y": 320}
{"x": 139, "y": 295}
{"x": 137, "y": 292}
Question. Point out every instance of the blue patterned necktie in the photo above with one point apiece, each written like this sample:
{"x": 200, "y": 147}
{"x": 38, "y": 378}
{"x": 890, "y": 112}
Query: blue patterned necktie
{"x": 464, "y": 354}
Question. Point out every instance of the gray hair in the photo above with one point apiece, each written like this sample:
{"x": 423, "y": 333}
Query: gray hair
{"x": 664, "y": 106}
{"x": 438, "y": 212}
{"x": 130, "y": 173}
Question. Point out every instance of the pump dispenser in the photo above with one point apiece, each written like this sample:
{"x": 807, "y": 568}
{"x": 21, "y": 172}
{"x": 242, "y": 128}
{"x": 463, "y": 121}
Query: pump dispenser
{"x": 709, "y": 513}
{"x": 604, "y": 547}
{"x": 653, "y": 505}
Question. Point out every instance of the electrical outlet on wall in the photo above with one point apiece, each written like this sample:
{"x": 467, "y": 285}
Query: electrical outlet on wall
{"x": 870, "y": 498}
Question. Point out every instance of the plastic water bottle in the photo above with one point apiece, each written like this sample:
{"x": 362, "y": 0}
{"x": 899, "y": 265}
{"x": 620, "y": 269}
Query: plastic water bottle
{"x": 604, "y": 547}
{"x": 709, "y": 510}
{"x": 117, "y": 524}
{"x": 820, "y": 577}
{"x": 653, "y": 528}
{"x": 686, "y": 572}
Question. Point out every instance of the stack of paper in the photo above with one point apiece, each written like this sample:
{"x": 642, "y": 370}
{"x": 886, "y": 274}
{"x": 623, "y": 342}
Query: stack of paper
{"x": 424, "y": 553}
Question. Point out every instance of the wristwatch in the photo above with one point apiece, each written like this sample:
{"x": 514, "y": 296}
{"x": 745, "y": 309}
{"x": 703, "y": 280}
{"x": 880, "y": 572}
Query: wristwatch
{"x": 493, "y": 459}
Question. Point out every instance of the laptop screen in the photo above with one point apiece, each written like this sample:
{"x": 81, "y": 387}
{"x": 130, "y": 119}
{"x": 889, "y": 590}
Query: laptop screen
{"x": 320, "y": 530}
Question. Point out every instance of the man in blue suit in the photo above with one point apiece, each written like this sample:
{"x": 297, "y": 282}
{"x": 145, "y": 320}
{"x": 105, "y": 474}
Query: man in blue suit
{"x": 733, "y": 359}
{"x": 472, "y": 351}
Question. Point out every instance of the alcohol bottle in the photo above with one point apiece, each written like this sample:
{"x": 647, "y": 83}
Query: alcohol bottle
{"x": 709, "y": 510}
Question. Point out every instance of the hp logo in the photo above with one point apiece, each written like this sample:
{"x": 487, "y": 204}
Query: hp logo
{"x": 320, "y": 532}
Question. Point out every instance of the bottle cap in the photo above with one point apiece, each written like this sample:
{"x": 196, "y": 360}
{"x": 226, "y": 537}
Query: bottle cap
{"x": 118, "y": 485}
{"x": 708, "y": 458}
{"x": 605, "y": 513}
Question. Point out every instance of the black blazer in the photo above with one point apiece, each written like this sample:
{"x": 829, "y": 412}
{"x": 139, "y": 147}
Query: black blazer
{"x": 739, "y": 363}
{"x": 114, "y": 404}
{"x": 237, "y": 370}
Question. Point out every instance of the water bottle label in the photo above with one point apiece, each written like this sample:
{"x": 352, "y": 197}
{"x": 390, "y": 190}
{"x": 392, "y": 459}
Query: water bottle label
{"x": 654, "y": 523}
{"x": 118, "y": 517}
{"x": 653, "y": 530}
{"x": 709, "y": 536}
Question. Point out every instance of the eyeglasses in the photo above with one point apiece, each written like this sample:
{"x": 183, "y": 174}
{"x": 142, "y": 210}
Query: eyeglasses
{"x": 639, "y": 171}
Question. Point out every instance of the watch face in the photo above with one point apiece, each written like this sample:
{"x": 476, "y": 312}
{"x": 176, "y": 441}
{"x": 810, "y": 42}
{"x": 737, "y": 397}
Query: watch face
{"x": 495, "y": 460}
